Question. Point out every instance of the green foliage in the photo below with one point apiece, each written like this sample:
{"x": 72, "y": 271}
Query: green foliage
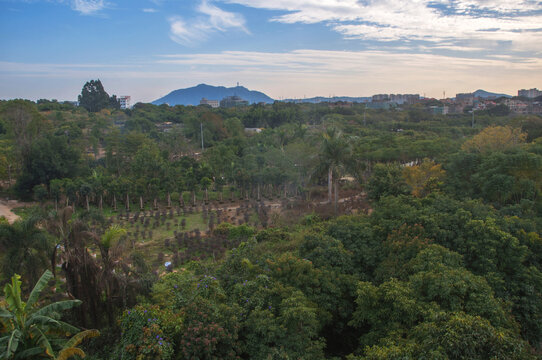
{"x": 385, "y": 180}
{"x": 435, "y": 275}
{"x": 48, "y": 158}
{"x": 94, "y": 98}
{"x": 357, "y": 237}
{"x": 147, "y": 332}
{"x": 455, "y": 336}
{"x": 26, "y": 249}
{"x": 30, "y": 332}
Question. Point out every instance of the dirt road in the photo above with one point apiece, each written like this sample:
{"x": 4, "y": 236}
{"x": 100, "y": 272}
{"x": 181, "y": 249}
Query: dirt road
{"x": 5, "y": 211}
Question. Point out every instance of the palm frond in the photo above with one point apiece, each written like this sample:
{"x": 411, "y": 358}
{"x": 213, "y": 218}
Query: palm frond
{"x": 67, "y": 328}
{"x": 57, "y": 307}
{"x": 38, "y": 288}
{"x": 41, "y": 320}
{"x": 13, "y": 343}
{"x": 13, "y": 294}
{"x": 78, "y": 338}
{"x": 42, "y": 341}
{"x": 111, "y": 235}
{"x": 5, "y": 314}
{"x": 68, "y": 353}
{"x": 28, "y": 353}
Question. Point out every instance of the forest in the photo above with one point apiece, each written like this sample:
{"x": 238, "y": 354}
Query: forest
{"x": 281, "y": 231}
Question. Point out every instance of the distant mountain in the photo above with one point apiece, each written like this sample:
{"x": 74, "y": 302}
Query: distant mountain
{"x": 319, "y": 99}
{"x": 486, "y": 94}
{"x": 193, "y": 95}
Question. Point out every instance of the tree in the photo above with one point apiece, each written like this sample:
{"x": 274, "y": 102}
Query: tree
{"x": 26, "y": 249}
{"x": 110, "y": 245}
{"x": 23, "y": 123}
{"x": 424, "y": 178}
{"x": 93, "y": 96}
{"x": 30, "y": 332}
{"x": 334, "y": 155}
{"x": 385, "y": 180}
{"x": 495, "y": 138}
{"x": 79, "y": 266}
{"x": 49, "y": 158}
{"x": 499, "y": 110}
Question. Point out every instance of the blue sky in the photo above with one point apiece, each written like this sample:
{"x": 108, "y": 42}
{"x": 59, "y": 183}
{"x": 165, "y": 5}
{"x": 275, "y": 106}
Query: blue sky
{"x": 285, "y": 48}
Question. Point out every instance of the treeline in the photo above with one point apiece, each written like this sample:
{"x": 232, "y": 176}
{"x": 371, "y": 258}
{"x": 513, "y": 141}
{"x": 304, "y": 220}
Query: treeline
{"x": 99, "y": 159}
{"x": 445, "y": 265}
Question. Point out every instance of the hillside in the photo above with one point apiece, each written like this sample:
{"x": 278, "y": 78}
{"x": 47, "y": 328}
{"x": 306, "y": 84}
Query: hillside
{"x": 486, "y": 94}
{"x": 193, "y": 95}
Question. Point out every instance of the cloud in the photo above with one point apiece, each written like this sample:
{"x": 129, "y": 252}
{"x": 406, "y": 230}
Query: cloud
{"x": 88, "y": 7}
{"x": 212, "y": 20}
{"x": 282, "y": 74}
{"x": 430, "y": 21}
{"x": 222, "y": 20}
{"x": 150, "y": 10}
{"x": 320, "y": 72}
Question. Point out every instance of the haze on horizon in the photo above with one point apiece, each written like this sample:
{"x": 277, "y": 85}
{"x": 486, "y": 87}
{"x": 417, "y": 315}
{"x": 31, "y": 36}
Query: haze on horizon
{"x": 284, "y": 48}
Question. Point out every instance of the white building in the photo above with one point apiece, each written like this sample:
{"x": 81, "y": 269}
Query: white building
{"x": 531, "y": 93}
{"x": 124, "y": 102}
{"x": 211, "y": 103}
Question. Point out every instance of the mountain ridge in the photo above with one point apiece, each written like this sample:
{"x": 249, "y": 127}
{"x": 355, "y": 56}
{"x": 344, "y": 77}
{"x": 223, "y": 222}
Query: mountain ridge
{"x": 486, "y": 94}
{"x": 193, "y": 95}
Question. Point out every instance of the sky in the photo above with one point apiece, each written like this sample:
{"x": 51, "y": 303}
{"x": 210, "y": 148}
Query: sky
{"x": 284, "y": 48}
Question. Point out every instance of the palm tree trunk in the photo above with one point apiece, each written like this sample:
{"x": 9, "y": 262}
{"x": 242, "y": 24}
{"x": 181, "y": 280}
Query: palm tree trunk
{"x": 168, "y": 200}
{"x": 86, "y": 200}
{"x": 53, "y": 260}
{"x": 114, "y": 203}
{"x": 127, "y": 202}
{"x": 9, "y": 175}
{"x": 336, "y": 195}
{"x": 141, "y": 203}
{"x": 329, "y": 183}
{"x": 101, "y": 203}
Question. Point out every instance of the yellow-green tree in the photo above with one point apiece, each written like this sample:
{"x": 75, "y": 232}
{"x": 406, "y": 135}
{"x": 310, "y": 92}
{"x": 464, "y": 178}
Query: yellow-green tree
{"x": 424, "y": 178}
{"x": 495, "y": 138}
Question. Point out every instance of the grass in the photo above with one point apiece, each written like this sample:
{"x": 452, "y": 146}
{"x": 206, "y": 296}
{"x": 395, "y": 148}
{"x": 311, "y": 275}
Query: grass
{"x": 150, "y": 248}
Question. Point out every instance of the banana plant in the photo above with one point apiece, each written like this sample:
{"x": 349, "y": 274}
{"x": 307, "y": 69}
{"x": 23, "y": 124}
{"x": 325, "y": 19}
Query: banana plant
{"x": 28, "y": 331}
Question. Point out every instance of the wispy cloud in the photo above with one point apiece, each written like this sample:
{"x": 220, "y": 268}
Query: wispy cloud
{"x": 284, "y": 74}
{"x": 88, "y": 7}
{"x": 212, "y": 20}
{"x": 430, "y": 21}
{"x": 150, "y": 10}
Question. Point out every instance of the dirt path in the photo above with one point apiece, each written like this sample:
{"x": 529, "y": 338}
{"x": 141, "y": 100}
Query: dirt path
{"x": 5, "y": 211}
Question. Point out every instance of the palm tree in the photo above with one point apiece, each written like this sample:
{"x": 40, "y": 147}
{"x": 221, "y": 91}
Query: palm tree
{"x": 205, "y": 182}
{"x": 111, "y": 248}
{"x": 26, "y": 248}
{"x": 78, "y": 264}
{"x": 334, "y": 155}
{"x": 30, "y": 332}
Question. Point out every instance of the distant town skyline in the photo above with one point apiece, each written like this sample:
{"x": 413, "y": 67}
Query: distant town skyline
{"x": 286, "y": 49}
